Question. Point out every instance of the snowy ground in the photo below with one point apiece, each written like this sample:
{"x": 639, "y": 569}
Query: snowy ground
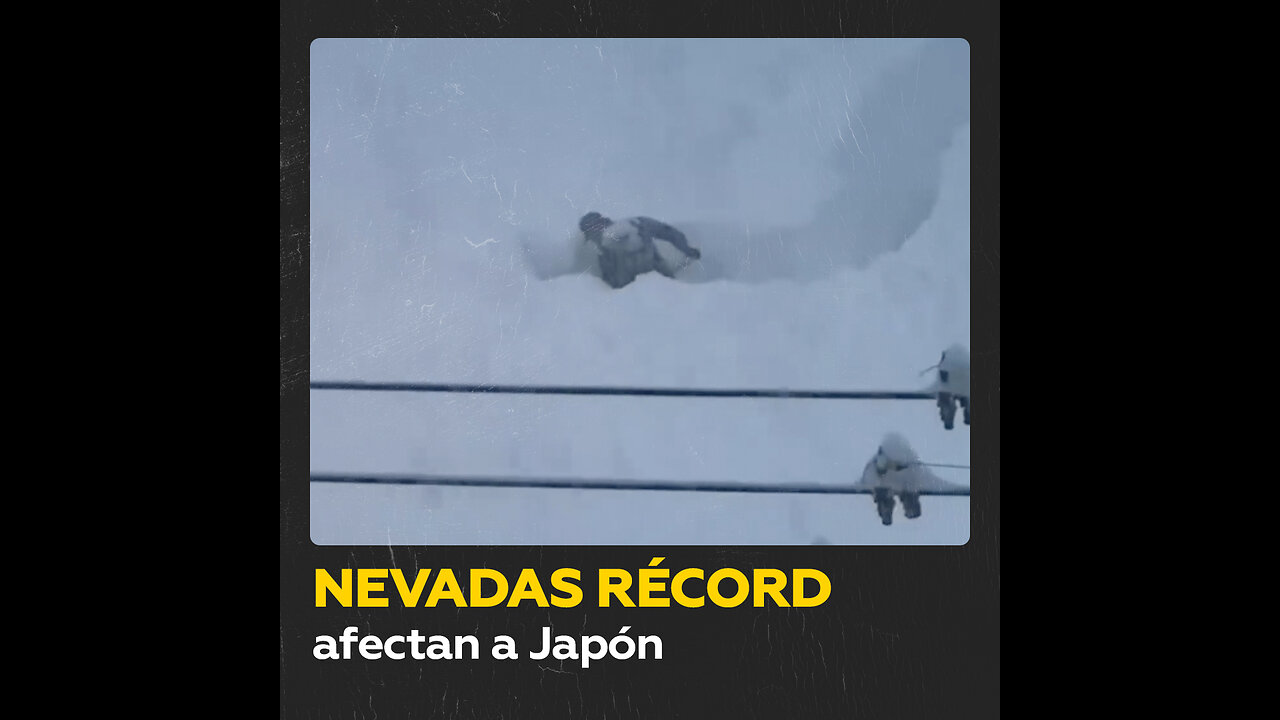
{"x": 426, "y": 269}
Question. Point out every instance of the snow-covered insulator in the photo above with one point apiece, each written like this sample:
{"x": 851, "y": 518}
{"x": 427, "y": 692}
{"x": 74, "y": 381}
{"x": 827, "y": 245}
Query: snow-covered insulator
{"x": 896, "y": 471}
{"x": 952, "y": 385}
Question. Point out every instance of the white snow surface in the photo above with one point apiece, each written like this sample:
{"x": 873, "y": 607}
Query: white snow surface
{"x": 399, "y": 296}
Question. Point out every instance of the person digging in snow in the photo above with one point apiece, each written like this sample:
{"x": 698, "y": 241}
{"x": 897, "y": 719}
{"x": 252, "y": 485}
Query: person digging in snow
{"x": 626, "y": 249}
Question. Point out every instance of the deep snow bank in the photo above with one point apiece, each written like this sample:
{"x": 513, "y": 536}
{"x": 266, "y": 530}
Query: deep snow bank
{"x": 448, "y": 290}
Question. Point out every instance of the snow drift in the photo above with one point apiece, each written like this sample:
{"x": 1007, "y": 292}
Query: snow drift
{"x": 832, "y": 210}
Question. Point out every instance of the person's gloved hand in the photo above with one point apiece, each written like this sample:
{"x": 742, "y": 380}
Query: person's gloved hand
{"x": 695, "y": 253}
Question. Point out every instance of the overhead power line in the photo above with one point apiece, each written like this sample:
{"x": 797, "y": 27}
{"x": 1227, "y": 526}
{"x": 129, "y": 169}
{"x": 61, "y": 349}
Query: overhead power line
{"x": 589, "y": 484}
{"x": 612, "y": 390}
